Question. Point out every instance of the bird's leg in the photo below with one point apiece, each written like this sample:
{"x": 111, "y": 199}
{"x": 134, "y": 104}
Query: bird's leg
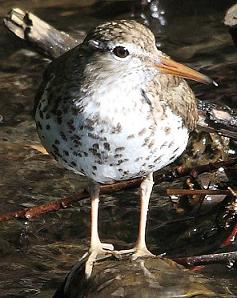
{"x": 96, "y": 247}
{"x": 140, "y": 248}
{"x": 145, "y": 193}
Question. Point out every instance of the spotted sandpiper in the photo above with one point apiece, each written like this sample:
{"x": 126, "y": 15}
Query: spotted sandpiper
{"x": 116, "y": 108}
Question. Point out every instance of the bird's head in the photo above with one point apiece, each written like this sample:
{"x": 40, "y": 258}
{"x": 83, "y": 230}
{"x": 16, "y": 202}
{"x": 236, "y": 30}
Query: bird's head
{"x": 127, "y": 49}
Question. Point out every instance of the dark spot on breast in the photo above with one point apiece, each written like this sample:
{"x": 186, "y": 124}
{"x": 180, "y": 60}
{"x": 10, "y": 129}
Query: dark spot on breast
{"x": 38, "y": 124}
{"x": 98, "y": 161}
{"x": 57, "y": 142}
{"x": 175, "y": 150}
{"x": 173, "y": 157}
{"x": 151, "y": 144}
{"x": 117, "y": 128}
{"x": 62, "y": 134}
{"x": 146, "y": 141}
{"x": 94, "y": 167}
{"x": 59, "y": 116}
{"x": 98, "y": 154}
{"x": 120, "y": 170}
{"x": 119, "y": 149}
{"x": 142, "y": 132}
{"x": 76, "y": 143}
{"x": 58, "y": 154}
{"x": 163, "y": 145}
{"x": 59, "y": 120}
{"x": 73, "y": 164}
{"x": 138, "y": 158}
{"x": 171, "y": 144}
{"x": 118, "y": 155}
{"x": 130, "y": 137}
{"x": 41, "y": 114}
{"x": 146, "y": 98}
{"x": 107, "y": 146}
{"x": 77, "y": 110}
{"x": 66, "y": 152}
{"x": 55, "y": 147}
{"x": 93, "y": 136}
{"x": 71, "y": 125}
{"x": 95, "y": 146}
{"x": 85, "y": 154}
{"x": 93, "y": 151}
{"x": 91, "y": 128}
{"x": 47, "y": 116}
{"x": 157, "y": 159}
{"x": 75, "y": 137}
{"x": 47, "y": 126}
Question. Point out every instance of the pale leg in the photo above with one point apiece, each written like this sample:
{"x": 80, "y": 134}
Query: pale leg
{"x": 96, "y": 247}
{"x": 145, "y": 193}
{"x": 140, "y": 248}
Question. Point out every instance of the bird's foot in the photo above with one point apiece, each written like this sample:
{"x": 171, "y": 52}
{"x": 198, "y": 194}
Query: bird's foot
{"x": 136, "y": 252}
{"x": 103, "y": 250}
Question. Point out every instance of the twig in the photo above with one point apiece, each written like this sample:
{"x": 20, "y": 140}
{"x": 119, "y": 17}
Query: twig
{"x": 207, "y": 259}
{"x": 105, "y": 189}
{"x": 66, "y": 202}
{"x": 206, "y": 192}
{"x": 230, "y": 237}
{"x": 206, "y": 168}
{"x": 44, "y": 38}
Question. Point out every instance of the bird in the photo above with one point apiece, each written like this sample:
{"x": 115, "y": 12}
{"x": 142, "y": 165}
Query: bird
{"x": 116, "y": 108}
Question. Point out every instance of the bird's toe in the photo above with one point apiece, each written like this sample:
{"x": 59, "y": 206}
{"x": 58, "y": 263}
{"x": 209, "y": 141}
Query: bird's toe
{"x": 141, "y": 252}
{"x": 95, "y": 254}
{"x": 134, "y": 252}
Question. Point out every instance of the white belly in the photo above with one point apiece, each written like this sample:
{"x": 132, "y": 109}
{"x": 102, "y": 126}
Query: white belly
{"x": 118, "y": 146}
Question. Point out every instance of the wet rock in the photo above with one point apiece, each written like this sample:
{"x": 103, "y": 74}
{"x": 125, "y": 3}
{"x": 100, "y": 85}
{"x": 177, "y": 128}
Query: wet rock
{"x": 147, "y": 277}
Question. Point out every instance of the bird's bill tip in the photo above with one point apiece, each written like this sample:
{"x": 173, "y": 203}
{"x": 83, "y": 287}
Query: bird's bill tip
{"x": 169, "y": 66}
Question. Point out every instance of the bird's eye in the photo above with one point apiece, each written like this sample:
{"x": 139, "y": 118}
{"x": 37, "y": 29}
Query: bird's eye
{"x": 120, "y": 52}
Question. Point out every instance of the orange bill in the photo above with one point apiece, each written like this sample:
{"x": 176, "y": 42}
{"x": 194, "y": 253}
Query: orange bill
{"x": 169, "y": 66}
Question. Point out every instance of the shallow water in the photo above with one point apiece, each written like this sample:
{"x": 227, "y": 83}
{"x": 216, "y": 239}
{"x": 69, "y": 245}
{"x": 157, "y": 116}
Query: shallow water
{"x": 36, "y": 254}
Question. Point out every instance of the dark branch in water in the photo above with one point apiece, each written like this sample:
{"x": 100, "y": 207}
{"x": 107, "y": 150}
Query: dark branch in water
{"x": 191, "y": 192}
{"x": 158, "y": 178}
{"x": 225, "y": 257}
